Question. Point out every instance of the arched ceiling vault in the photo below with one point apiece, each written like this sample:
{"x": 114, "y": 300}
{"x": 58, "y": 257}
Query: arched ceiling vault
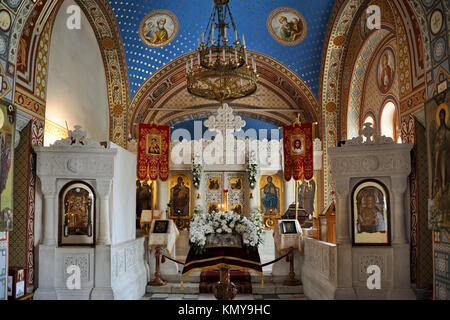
{"x": 279, "y": 88}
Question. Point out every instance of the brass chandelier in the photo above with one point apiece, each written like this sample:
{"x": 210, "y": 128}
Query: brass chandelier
{"x": 221, "y": 70}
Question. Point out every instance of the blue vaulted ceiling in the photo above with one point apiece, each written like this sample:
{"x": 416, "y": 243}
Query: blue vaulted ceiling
{"x": 250, "y": 17}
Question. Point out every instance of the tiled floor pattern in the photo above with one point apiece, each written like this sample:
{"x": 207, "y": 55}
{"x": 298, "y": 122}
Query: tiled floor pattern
{"x": 167, "y": 296}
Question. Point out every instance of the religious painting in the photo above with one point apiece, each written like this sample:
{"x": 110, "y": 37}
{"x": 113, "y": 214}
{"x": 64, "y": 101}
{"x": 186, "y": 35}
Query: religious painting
{"x": 289, "y": 227}
{"x": 180, "y": 187}
{"x": 236, "y": 184}
{"x": 237, "y": 208}
{"x": 161, "y": 226}
{"x": 153, "y": 144}
{"x": 386, "y": 70}
{"x": 287, "y": 26}
{"x": 6, "y": 169}
{"x": 298, "y": 151}
{"x": 215, "y": 240}
{"x": 270, "y": 195}
{"x": 158, "y": 28}
{"x": 76, "y": 215}
{"x": 298, "y": 144}
{"x": 214, "y": 184}
{"x": 370, "y": 214}
{"x": 145, "y": 198}
{"x": 307, "y": 195}
{"x": 153, "y": 152}
{"x": 437, "y": 114}
{"x": 213, "y": 207}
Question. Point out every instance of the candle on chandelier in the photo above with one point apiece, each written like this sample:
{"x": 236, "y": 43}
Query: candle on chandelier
{"x": 192, "y": 62}
{"x": 236, "y": 35}
{"x": 203, "y": 37}
{"x": 224, "y": 54}
{"x": 198, "y": 55}
{"x": 210, "y": 56}
{"x": 225, "y": 33}
{"x": 187, "y": 67}
{"x": 212, "y": 37}
{"x": 243, "y": 40}
{"x": 235, "y": 56}
{"x": 253, "y": 64}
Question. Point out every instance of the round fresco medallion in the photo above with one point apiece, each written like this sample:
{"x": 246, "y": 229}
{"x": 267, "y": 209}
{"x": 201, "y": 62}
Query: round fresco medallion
{"x": 386, "y": 70}
{"x": 5, "y": 20}
{"x": 436, "y": 21}
{"x": 287, "y": 26}
{"x": 439, "y": 49}
{"x": 158, "y": 28}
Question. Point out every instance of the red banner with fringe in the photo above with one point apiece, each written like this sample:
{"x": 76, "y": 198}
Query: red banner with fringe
{"x": 153, "y": 152}
{"x": 298, "y": 151}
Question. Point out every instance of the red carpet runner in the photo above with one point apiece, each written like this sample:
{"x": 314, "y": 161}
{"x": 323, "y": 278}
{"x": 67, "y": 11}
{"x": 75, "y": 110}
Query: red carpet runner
{"x": 241, "y": 279}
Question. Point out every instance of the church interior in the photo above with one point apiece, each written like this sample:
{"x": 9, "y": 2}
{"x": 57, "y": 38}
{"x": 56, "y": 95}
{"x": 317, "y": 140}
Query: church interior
{"x": 224, "y": 149}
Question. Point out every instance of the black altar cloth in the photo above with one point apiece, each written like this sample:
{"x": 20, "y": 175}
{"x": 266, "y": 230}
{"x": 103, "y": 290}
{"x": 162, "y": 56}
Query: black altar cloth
{"x": 222, "y": 257}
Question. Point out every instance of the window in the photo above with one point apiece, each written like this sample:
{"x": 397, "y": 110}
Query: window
{"x": 369, "y": 119}
{"x": 389, "y": 120}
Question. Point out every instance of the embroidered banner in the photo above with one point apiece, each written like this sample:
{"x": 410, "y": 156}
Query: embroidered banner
{"x": 153, "y": 152}
{"x": 298, "y": 151}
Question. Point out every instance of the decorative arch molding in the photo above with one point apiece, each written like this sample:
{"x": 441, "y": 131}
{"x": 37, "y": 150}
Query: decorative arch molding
{"x": 276, "y": 78}
{"x": 344, "y": 15}
{"x": 364, "y": 60}
{"x": 103, "y": 22}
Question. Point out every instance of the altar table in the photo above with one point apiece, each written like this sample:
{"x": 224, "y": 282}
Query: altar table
{"x": 223, "y": 257}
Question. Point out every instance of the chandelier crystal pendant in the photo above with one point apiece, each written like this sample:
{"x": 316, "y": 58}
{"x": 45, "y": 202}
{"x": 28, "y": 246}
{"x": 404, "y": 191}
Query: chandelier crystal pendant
{"x": 221, "y": 70}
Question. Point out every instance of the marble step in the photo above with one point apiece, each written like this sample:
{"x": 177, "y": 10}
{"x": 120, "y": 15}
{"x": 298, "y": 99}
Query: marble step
{"x": 193, "y": 288}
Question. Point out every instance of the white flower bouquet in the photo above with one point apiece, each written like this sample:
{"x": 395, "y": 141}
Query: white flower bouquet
{"x": 204, "y": 224}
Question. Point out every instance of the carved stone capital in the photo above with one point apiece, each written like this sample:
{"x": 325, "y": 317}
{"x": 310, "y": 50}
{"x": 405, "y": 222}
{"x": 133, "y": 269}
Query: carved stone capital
{"x": 104, "y": 188}
{"x": 48, "y": 186}
{"x": 399, "y": 184}
{"x": 342, "y": 187}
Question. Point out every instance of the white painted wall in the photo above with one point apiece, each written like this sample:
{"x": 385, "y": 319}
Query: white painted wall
{"x": 76, "y": 90}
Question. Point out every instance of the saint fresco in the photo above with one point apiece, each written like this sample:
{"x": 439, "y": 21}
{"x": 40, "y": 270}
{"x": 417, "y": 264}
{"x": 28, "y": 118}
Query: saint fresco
{"x": 270, "y": 195}
{"x": 158, "y": 28}
{"x": 307, "y": 196}
{"x": 287, "y": 26}
{"x": 386, "y": 70}
{"x": 6, "y": 172}
{"x": 438, "y": 135}
{"x": 180, "y": 197}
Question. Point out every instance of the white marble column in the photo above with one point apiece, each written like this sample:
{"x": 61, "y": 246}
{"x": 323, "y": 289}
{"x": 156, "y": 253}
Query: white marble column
{"x": 104, "y": 191}
{"x": 163, "y": 195}
{"x": 399, "y": 185}
{"x": 289, "y": 194}
{"x": 49, "y": 193}
{"x": 342, "y": 212}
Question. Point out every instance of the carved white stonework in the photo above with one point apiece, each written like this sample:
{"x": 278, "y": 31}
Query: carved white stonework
{"x": 321, "y": 257}
{"x": 81, "y": 159}
{"x": 376, "y": 158}
{"x": 371, "y": 260}
{"x": 77, "y": 138}
{"x": 104, "y": 187}
{"x": 317, "y": 144}
{"x": 225, "y": 120}
{"x": 80, "y": 260}
{"x": 371, "y": 137}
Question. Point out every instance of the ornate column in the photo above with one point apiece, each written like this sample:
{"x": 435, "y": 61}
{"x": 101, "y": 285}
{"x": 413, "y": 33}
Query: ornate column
{"x": 49, "y": 192}
{"x": 342, "y": 216}
{"x": 399, "y": 185}
{"x": 104, "y": 190}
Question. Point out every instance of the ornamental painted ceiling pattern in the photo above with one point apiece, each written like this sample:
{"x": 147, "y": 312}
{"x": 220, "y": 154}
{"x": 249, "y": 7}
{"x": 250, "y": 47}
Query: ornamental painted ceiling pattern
{"x": 250, "y": 17}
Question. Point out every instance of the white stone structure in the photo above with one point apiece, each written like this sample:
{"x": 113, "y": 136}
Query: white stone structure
{"x": 115, "y": 267}
{"x": 340, "y": 272}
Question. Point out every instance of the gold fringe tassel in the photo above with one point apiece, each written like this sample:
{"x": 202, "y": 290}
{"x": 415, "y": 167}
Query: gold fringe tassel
{"x": 262, "y": 282}
{"x": 181, "y": 286}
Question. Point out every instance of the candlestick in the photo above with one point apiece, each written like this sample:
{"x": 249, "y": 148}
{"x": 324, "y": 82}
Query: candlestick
{"x": 212, "y": 37}
{"x": 225, "y": 33}
{"x": 236, "y": 35}
{"x": 210, "y": 56}
{"x": 243, "y": 40}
